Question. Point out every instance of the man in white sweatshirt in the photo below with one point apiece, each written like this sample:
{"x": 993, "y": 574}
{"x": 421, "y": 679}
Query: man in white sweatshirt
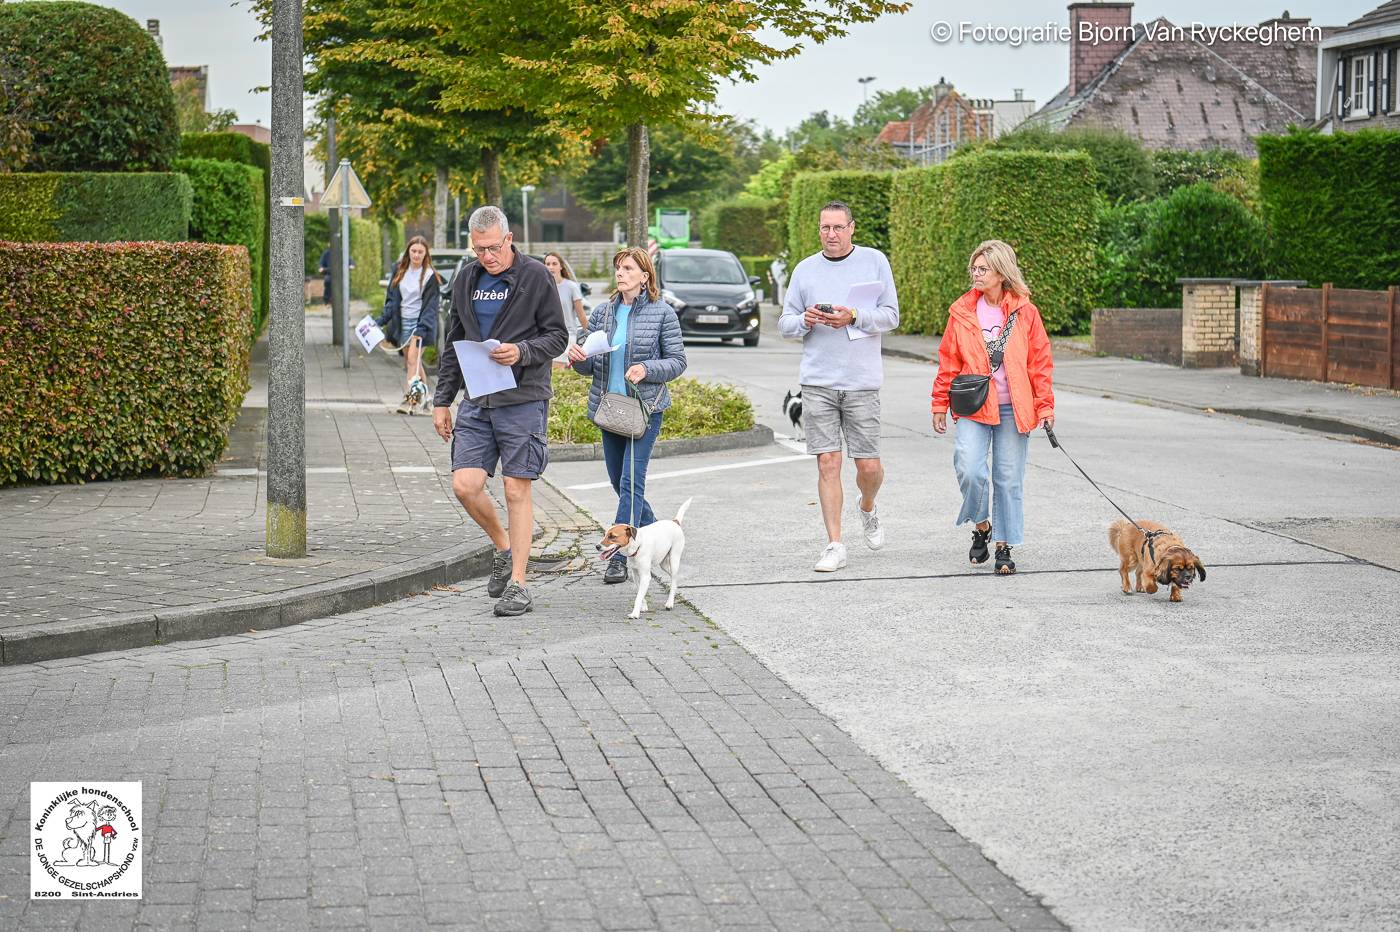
{"x": 841, "y": 368}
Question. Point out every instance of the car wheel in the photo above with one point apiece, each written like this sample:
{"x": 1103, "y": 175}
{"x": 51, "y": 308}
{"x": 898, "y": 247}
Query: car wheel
{"x": 751, "y": 340}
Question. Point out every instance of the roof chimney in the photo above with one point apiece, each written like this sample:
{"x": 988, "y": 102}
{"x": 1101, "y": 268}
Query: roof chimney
{"x": 153, "y": 27}
{"x": 1099, "y": 32}
{"x": 941, "y": 89}
{"x": 1018, "y": 93}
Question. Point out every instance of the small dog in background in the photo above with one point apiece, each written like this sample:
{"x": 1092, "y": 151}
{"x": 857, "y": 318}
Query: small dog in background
{"x": 1167, "y": 562}
{"x": 792, "y": 407}
{"x": 660, "y": 543}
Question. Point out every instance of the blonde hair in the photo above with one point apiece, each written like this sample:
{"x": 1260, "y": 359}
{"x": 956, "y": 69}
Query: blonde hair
{"x": 1001, "y": 258}
{"x": 643, "y": 260}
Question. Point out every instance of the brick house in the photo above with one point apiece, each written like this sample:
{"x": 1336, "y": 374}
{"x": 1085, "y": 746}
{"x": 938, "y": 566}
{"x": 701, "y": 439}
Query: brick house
{"x": 1181, "y": 87}
{"x": 1356, "y": 73}
{"x": 939, "y": 125}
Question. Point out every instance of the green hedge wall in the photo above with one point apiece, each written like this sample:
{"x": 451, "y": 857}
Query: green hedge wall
{"x": 1043, "y": 203}
{"x": 316, "y": 239}
{"x": 134, "y": 375}
{"x": 1123, "y": 169}
{"x": 1332, "y": 206}
{"x": 235, "y": 147}
{"x": 229, "y": 208}
{"x": 744, "y": 227}
{"x": 101, "y": 97}
{"x": 367, "y": 254}
{"x": 868, "y": 194}
{"x": 94, "y": 207}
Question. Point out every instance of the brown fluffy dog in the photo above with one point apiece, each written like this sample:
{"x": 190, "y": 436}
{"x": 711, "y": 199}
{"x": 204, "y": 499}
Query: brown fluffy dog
{"x": 1167, "y": 563}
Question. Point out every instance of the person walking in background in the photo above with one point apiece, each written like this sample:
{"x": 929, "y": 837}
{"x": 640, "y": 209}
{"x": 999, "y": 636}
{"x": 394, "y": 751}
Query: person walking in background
{"x": 841, "y": 371}
{"x": 995, "y": 330}
{"x": 503, "y": 295}
{"x": 570, "y": 295}
{"x": 410, "y": 319}
{"x": 651, "y": 354}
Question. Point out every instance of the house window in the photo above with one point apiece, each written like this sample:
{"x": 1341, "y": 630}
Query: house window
{"x": 552, "y": 232}
{"x": 1360, "y": 76}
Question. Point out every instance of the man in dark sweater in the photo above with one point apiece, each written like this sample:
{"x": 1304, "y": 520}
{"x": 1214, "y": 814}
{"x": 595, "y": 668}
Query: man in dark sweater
{"x": 507, "y": 296}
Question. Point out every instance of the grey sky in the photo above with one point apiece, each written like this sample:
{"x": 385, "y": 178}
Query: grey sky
{"x": 896, "y": 50}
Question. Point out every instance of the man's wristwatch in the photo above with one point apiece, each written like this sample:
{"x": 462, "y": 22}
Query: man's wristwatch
{"x": 853, "y": 315}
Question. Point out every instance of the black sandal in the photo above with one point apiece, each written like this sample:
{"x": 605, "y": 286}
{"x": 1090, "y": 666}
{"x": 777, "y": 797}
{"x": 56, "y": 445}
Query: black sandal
{"x": 978, "y": 554}
{"x": 1005, "y": 566}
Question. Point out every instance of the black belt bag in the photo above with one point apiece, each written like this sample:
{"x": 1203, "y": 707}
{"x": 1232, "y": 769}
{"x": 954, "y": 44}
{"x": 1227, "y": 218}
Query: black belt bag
{"x": 968, "y": 393}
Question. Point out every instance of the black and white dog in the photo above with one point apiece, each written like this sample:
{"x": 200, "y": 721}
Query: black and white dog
{"x": 792, "y": 407}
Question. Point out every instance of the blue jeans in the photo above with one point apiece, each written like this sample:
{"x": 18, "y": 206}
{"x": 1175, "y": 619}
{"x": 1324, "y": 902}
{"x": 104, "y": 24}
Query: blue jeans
{"x": 628, "y": 475}
{"x": 1007, "y": 475}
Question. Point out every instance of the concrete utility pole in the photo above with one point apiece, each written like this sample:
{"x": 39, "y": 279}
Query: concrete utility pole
{"x": 286, "y": 381}
{"x": 337, "y": 285}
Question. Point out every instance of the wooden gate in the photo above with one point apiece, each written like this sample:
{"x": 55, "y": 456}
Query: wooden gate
{"x": 1330, "y": 335}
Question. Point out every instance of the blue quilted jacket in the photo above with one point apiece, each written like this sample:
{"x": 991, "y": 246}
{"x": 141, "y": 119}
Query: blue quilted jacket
{"x": 653, "y": 340}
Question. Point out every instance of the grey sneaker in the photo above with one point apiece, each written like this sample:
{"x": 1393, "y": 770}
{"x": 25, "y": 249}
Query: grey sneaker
{"x": 500, "y": 574}
{"x": 516, "y": 601}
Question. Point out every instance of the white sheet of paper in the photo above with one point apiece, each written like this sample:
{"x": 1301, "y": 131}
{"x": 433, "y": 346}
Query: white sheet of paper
{"x": 369, "y": 333}
{"x": 483, "y": 374}
{"x": 597, "y": 343}
{"x": 862, "y": 297}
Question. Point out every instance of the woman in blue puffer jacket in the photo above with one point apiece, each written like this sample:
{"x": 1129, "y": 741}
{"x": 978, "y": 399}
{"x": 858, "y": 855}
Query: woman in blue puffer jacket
{"x": 650, "y": 355}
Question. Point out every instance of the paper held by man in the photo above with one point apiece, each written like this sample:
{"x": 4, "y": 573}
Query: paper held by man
{"x": 482, "y": 374}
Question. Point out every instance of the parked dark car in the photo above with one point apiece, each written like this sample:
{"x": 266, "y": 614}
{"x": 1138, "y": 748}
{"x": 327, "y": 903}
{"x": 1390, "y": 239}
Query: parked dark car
{"x": 712, "y": 294}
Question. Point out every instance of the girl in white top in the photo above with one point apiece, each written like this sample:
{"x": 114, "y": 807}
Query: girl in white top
{"x": 410, "y": 319}
{"x": 570, "y": 296}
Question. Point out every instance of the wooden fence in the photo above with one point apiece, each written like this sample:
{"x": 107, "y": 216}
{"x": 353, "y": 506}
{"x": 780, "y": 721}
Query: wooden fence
{"x": 1330, "y": 335}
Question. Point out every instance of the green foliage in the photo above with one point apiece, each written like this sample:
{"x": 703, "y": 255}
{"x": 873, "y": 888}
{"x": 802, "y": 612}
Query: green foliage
{"x": 97, "y": 85}
{"x": 867, "y": 193}
{"x": 762, "y": 266}
{"x": 120, "y": 360}
{"x": 772, "y": 179}
{"x": 316, "y": 239}
{"x": 190, "y": 112}
{"x": 1332, "y": 206}
{"x": 1195, "y": 232}
{"x": 885, "y": 106}
{"x": 698, "y": 409}
{"x": 1227, "y": 170}
{"x": 367, "y": 254}
{"x": 398, "y": 237}
{"x": 683, "y": 167}
{"x": 92, "y": 207}
{"x": 1042, "y": 203}
{"x": 1123, "y": 168}
{"x": 744, "y": 227}
{"x": 230, "y": 208}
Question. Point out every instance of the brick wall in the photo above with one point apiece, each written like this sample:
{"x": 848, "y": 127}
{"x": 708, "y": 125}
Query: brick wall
{"x": 1251, "y": 328}
{"x": 1087, "y": 59}
{"x": 1207, "y": 322}
{"x": 1139, "y": 333}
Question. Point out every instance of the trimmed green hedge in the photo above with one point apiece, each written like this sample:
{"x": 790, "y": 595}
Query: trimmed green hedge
{"x": 1332, "y": 206}
{"x": 98, "y": 89}
{"x": 1195, "y": 232}
{"x": 698, "y": 409}
{"x": 94, "y": 207}
{"x": 744, "y": 227}
{"x": 119, "y": 360}
{"x": 762, "y": 266}
{"x": 229, "y": 208}
{"x": 1123, "y": 169}
{"x": 366, "y": 253}
{"x": 1043, "y": 203}
{"x": 316, "y": 239}
{"x": 235, "y": 147}
{"x": 868, "y": 194}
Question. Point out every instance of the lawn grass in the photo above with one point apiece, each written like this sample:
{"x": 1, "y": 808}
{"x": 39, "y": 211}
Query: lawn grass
{"x": 698, "y": 409}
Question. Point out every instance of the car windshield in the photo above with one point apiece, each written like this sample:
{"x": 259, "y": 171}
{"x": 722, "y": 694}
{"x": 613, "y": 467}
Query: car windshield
{"x": 703, "y": 270}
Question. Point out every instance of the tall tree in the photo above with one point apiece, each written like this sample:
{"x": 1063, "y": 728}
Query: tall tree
{"x": 886, "y": 106}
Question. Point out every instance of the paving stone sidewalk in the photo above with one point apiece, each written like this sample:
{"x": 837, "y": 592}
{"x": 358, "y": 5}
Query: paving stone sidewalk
{"x": 122, "y": 554}
{"x": 427, "y": 765}
{"x": 1373, "y": 414}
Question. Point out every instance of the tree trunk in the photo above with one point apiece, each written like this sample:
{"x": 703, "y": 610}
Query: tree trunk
{"x": 440, "y": 209}
{"x": 491, "y": 176}
{"x": 638, "y": 173}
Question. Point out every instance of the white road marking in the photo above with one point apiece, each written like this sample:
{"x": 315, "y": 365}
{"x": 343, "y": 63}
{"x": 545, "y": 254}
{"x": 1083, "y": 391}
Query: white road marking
{"x": 652, "y": 477}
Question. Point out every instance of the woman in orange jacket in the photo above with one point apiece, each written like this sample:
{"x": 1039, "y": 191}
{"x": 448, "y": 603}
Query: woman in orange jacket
{"x": 994, "y": 330}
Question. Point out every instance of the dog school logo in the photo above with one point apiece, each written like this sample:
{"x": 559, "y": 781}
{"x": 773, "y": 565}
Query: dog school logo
{"x": 86, "y": 840}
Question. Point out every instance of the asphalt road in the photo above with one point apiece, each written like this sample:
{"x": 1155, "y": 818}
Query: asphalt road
{"x": 1230, "y": 762}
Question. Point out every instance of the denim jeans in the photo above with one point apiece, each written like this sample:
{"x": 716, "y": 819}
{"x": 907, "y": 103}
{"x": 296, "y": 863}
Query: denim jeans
{"x": 628, "y": 474}
{"x": 1007, "y": 473}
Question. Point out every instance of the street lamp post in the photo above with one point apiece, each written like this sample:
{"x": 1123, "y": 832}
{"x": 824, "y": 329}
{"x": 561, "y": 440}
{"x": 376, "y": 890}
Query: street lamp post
{"x": 865, "y": 87}
{"x": 525, "y": 212}
{"x": 286, "y": 369}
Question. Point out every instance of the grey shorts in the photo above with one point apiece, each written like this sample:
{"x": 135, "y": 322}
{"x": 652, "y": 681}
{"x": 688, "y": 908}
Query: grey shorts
{"x": 515, "y": 436}
{"x": 829, "y": 415}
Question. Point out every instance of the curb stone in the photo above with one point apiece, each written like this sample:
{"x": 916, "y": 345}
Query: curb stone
{"x": 757, "y": 436}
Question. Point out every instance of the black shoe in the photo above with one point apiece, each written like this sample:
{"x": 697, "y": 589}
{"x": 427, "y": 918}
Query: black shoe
{"x": 500, "y": 574}
{"x": 1005, "y": 567}
{"x": 616, "y": 572}
{"x": 978, "y": 553}
{"x": 516, "y": 601}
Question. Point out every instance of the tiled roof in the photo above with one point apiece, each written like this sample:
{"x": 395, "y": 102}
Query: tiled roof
{"x": 1383, "y": 15}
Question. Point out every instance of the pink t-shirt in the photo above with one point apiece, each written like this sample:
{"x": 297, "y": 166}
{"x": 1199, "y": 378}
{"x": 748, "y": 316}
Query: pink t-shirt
{"x": 990, "y": 318}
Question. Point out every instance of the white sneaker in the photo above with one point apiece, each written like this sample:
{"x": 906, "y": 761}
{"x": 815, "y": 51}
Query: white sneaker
{"x": 833, "y": 558}
{"x": 870, "y": 523}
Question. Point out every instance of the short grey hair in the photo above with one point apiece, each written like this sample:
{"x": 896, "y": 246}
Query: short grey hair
{"x": 487, "y": 218}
